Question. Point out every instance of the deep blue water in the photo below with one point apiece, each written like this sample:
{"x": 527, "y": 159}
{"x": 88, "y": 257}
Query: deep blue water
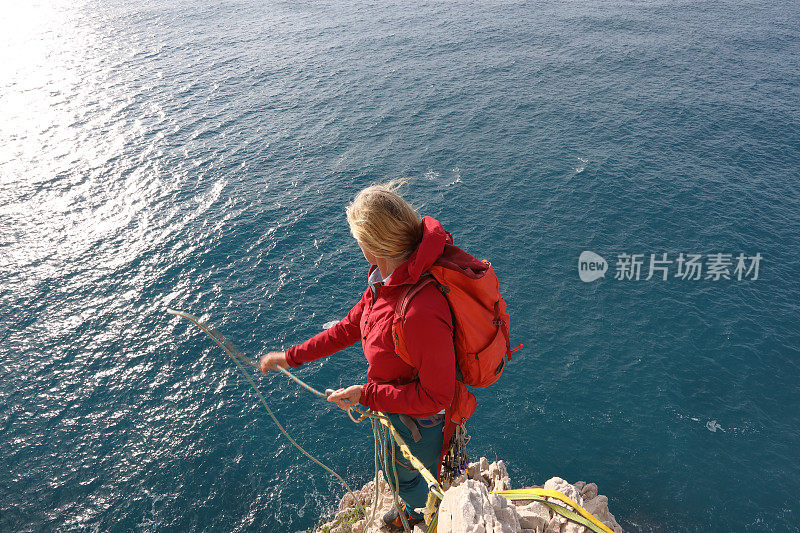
{"x": 200, "y": 155}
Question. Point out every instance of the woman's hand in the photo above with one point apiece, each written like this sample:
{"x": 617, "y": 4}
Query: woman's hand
{"x": 346, "y": 398}
{"x": 272, "y": 361}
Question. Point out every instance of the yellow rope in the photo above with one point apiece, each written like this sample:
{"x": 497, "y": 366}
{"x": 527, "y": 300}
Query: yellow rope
{"x": 433, "y": 484}
{"x": 519, "y": 494}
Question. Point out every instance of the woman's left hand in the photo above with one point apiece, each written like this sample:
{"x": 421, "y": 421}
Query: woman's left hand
{"x": 346, "y": 398}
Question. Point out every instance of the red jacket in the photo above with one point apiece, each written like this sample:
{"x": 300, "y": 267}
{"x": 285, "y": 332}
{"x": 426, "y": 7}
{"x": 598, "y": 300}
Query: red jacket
{"x": 391, "y": 384}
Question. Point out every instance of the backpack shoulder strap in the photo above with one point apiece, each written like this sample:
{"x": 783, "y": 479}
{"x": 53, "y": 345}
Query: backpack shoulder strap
{"x": 410, "y": 292}
{"x": 400, "y": 315}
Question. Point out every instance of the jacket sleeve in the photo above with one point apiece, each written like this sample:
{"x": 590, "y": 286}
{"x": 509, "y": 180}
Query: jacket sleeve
{"x": 428, "y": 332}
{"x": 346, "y": 332}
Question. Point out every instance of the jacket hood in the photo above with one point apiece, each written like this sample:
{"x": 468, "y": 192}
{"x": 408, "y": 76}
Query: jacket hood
{"x": 434, "y": 238}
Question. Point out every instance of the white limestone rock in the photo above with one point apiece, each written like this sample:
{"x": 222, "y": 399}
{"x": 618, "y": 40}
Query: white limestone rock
{"x": 598, "y": 506}
{"x": 534, "y": 516}
{"x": 498, "y": 476}
{"x": 554, "y": 526}
{"x": 570, "y": 491}
{"x": 470, "y": 507}
{"x": 572, "y": 527}
{"x": 589, "y": 491}
{"x": 473, "y": 471}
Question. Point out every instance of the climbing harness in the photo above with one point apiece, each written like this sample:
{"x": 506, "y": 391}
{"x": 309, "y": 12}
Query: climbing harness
{"x": 384, "y": 434}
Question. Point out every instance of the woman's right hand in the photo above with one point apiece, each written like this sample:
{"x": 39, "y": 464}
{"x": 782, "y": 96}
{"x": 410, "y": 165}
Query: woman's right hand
{"x": 272, "y": 361}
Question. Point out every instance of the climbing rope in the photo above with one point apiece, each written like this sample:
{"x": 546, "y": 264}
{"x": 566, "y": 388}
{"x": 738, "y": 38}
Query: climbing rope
{"x": 240, "y": 359}
{"x": 385, "y": 436}
{"x": 582, "y": 516}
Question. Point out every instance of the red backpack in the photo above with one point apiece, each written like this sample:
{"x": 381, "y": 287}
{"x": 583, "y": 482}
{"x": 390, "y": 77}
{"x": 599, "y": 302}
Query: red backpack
{"x": 480, "y": 323}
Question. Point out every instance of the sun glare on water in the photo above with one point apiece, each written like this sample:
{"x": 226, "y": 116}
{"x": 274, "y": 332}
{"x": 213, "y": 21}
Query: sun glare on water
{"x": 74, "y": 169}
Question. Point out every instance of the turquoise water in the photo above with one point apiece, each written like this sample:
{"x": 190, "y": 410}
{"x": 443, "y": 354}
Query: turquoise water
{"x": 199, "y": 155}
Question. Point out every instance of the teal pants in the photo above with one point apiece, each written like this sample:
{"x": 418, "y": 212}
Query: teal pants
{"x": 413, "y": 488}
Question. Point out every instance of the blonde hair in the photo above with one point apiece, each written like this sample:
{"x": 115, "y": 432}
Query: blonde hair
{"x": 383, "y": 222}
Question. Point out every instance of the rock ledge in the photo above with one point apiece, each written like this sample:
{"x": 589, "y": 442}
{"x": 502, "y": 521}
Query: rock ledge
{"x": 470, "y": 507}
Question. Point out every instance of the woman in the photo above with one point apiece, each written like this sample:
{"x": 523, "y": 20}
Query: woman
{"x": 400, "y": 248}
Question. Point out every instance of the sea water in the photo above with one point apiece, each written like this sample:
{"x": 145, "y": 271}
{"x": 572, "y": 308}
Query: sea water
{"x": 199, "y": 155}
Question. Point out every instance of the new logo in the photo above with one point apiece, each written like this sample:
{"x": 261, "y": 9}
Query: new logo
{"x": 591, "y": 266}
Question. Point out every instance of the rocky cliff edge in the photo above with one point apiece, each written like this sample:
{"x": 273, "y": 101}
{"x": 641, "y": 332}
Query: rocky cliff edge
{"x": 470, "y": 507}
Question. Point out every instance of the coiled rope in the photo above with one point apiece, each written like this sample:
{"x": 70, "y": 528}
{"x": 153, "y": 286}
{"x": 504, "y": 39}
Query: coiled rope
{"x": 385, "y": 436}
